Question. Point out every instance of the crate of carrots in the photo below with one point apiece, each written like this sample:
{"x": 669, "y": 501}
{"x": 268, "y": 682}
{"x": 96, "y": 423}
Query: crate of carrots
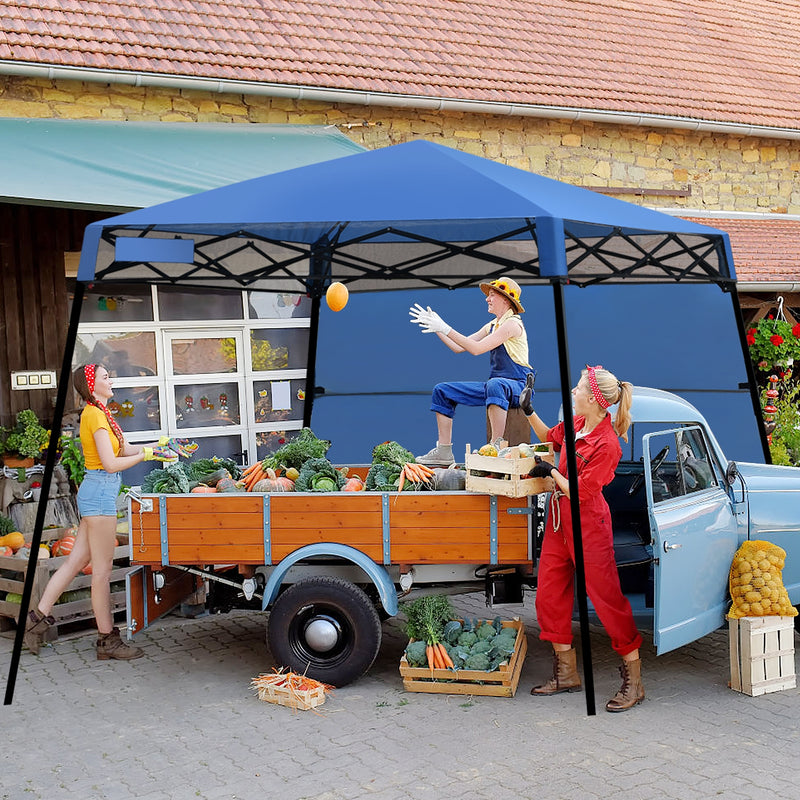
{"x": 460, "y": 656}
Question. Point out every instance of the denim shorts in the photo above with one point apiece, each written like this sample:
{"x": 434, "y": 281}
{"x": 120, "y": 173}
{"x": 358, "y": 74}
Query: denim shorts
{"x": 97, "y": 494}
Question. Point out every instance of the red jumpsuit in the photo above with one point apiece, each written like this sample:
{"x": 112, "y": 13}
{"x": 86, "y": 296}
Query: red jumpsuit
{"x": 597, "y": 456}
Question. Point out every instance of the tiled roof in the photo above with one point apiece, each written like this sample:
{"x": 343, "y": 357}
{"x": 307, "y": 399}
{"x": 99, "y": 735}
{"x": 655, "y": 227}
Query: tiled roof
{"x": 763, "y": 249}
{"x": 723, "y": 60}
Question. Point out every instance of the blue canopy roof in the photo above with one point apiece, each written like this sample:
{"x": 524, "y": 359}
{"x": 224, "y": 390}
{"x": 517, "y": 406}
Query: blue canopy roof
{"x": 409, "y": 215}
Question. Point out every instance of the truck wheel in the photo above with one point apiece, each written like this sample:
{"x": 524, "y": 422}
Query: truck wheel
{"x": 325, "y": 627}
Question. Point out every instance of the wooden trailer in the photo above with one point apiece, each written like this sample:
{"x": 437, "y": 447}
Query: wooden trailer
{"x": 326, "y": 565}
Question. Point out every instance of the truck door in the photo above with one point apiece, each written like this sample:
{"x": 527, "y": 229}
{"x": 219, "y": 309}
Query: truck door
{"x": 694, "y": 533}
{"x": 153, "y": 593}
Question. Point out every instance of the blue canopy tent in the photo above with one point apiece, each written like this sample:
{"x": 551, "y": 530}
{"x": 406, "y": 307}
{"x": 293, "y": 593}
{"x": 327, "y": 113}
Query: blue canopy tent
{"x": 407, "y": 216}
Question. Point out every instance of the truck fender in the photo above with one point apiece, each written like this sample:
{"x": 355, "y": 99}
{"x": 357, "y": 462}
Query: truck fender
{"x": 376, "y": 573}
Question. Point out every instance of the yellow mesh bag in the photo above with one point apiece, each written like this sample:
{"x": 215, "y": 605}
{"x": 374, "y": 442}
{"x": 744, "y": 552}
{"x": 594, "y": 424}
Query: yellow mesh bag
{"x": 756, "y": 582}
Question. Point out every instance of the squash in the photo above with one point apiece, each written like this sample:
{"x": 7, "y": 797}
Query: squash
{"x": 14, "y": 540}
{"x": 292, "y": 474}
{"x": 268, "y": 485}
{"x": 6, "y": 552}
{"x": 203, "y": 488}
{"x": 215, "y": 477}
{"x": 449, "y": 480}
{"x": 354, "y": 484}
{"x": 337, "y": 296}
{"x": 43, "y": 551}
{"x": 63, "y": 547}
{"x": 226, "y": 485}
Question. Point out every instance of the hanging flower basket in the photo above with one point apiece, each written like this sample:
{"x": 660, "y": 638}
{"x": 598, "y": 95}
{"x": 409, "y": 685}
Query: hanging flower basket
{"x": 774, "y": 343}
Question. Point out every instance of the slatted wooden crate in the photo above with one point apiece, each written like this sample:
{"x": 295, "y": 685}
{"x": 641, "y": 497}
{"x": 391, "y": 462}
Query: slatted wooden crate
{"x": 13, "y": 572}
{"x": 512, "y": 482}
{"x": 500, "y": 683}
{"x": 762, "y": 654}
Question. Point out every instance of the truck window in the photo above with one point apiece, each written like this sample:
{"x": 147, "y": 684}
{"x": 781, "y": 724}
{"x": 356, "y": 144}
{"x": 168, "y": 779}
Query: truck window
{"x": 680, "y": 464}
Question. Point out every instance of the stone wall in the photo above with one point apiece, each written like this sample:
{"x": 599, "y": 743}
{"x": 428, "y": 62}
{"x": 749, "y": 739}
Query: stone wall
{"x": 707, "y": 171}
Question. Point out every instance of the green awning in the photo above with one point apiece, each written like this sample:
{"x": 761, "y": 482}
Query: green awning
{"x": 119, "y": 166}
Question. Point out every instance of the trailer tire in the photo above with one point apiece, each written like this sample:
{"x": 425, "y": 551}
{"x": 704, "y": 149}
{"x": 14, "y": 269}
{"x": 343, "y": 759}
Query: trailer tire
{"x": 325, "y": 627}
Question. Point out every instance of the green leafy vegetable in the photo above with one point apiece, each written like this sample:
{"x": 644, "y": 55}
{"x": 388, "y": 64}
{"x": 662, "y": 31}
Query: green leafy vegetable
{"x": 427, "y": 616}
{"x": 169, "y": 480}
{"x": 295, "y": 453}
{"x": 318, "y": 475}
{"x": 415, "y": 653}
{"x": 201, "y": 468}
{"x": 479, "y": 661}
{"x": 391, "y": 453}
{"x": 382, "y": 478}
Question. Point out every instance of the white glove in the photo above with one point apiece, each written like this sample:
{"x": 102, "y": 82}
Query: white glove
{"x": 428, "y": 320}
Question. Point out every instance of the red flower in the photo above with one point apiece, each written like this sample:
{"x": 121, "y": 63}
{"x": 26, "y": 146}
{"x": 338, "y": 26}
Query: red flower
{"x": 776, "y": 339}
{"x": 796, "y": 331}
{"x": 751, "y": 340}
{"x": 752, "y": 332}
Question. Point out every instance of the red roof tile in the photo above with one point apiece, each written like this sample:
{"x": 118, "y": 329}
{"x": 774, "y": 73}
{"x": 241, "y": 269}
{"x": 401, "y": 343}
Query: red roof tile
{"x": 763, "y": 249}
{"x": 723, "y": 60}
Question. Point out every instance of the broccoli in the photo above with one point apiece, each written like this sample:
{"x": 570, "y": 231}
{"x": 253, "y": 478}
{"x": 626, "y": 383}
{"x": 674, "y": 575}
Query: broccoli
{"x": 318, "y": 475}
{"x": 510, "y": 633}
{"x": 502, "y": 646}
{"x": 391, "y": 453}
{"x": 479, "y": 661}
{"x": 416, "y": 654}
{"x": 481, "y": 646}
{"x": 467, "y": 639}
{"x": 486, "y": 631}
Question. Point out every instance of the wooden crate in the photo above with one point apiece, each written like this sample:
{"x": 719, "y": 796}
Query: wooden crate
{"x": 512, "y": 483}
{"x": 762, "y": 654}
{"x": 13, "y": 572}
{"x": 298, "y": 699}
{"x": 500, "y": 683}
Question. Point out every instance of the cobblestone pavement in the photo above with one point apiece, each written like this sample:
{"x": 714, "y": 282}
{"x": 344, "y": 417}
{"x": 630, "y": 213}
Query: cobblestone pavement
{"x": 182, "y": 722}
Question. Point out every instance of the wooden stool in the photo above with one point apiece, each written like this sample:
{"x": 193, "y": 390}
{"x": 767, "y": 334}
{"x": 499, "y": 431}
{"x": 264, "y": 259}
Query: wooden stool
{"x": 518, "y": 429}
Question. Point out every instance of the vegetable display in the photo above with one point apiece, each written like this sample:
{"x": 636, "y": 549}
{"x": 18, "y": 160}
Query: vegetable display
{"x": 298, "y": 451}
{"x": 169, "y": 480}
{"x": 319, "y": 475}
{"x": 470, "y": 645}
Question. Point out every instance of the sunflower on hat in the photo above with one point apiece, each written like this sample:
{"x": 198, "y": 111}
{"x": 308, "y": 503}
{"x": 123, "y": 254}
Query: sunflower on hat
{"x": 508, "y": 288}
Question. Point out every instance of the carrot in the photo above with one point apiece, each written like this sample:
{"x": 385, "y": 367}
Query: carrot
{"x": 429, "y": 654}
{"x": 448, "y": 662}
{"x": 411, "y": 472}
{"x": 253, "y": 478}
{"x": 402, "y": 480}
{"x": 425, "y": 470}
{"x": 437, "y": 657}
{"x": 247, "y": 470}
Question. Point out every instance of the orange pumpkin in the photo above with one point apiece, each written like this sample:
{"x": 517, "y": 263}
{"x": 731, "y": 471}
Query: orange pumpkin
{"x": 337, "y": 296}
{"x": 6, "y": 551}
{"x": 203, "y": 489}
{"x": 14, "y": 540}
{"x": 63, "y": 547}
{"x": 354, "y": 484}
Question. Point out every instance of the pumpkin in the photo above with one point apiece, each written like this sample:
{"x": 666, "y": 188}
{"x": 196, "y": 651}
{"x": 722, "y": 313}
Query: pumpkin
{"x": 63, "y": 547}
{"x": 14, "y": 540}
{"x": 267, "y": 485}
{"x": 6, "y": 551}
{"x": 202, "y": 488}
{"x": 292, "y": 474}
{"x": 43, "y": 551}
{"x": 227, "y": 485}
{"x": 87, "y": 570}
{"x": 337, "y": 295}
{"x": 354, "y": 484}
{"x": 449, "y": 480}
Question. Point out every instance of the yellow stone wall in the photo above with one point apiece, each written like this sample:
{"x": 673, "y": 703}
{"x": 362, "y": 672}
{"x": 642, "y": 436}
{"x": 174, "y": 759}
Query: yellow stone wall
{"x": 716, "y": 171}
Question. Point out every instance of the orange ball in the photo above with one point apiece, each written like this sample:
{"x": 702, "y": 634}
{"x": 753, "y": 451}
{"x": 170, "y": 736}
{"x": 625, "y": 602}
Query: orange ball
{"x": 337, "y": 296}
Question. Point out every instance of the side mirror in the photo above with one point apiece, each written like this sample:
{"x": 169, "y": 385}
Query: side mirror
{"x": 731, "y": 473}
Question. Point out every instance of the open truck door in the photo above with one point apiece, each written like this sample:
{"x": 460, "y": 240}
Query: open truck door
{"x": 694, "y": 535}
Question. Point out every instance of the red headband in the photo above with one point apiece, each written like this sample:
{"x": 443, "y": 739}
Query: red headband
{"x": 88, "y": 371}
{"x": 598, "y": 395}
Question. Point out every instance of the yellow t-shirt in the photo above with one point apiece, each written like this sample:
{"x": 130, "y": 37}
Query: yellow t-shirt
{"x": 516, "y": 346}
{"x": 93, "y": 419}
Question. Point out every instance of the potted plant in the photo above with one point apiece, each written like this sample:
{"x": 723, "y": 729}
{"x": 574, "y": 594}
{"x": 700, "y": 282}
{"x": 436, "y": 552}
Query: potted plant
{"x": 774, "y": 343}
{"x": 25, "y": 441}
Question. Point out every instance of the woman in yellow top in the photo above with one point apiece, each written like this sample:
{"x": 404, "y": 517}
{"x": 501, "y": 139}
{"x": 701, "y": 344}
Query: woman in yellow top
{"x": 106, "y": 454}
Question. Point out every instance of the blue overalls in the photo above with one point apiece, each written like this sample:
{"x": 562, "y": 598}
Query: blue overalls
{"x": 506, "y": 382}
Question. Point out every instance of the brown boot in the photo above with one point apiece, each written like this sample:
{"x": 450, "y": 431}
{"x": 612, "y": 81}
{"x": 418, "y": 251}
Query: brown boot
{"x": 109, "y": 645}
{"x": 632, "y": 691}
{"x": 36, "y": 625}
{"x": 565, "y": 674}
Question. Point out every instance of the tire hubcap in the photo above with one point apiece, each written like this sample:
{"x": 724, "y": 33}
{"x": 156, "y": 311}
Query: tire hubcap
{"x": 322, "y": 634}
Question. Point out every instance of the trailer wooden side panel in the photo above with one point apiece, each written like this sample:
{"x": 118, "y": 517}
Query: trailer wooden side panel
{"x": 422, "y": 528}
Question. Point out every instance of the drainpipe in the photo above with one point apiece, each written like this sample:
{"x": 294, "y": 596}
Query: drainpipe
{"x": 422, "y": 102}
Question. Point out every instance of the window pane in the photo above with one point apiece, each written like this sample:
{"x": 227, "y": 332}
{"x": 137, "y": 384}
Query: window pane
{"x": 199, "y": 405}
{"x": 267, "y": 442}
{"x": 198, "y": 304}
{"x": 270, "y": 305}
{"x": 125, "y": 355}
{"x": 136, "y": 408}
{"x": 115, "y": 304}
{"x": 220, "y": 446}
{"x": 279, "y": 348}
{"x": 278, "y": 400}
{"x": 203, "y": 355}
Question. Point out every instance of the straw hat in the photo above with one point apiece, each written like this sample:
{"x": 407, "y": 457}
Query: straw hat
{"x": 508, "y": 288}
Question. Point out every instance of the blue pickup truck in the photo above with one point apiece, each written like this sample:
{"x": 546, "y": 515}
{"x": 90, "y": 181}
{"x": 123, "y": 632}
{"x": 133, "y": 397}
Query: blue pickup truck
{"x": 681, "y": 508}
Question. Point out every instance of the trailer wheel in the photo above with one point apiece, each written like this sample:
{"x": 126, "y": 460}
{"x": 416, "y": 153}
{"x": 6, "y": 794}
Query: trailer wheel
{"x": 325, "y": 627}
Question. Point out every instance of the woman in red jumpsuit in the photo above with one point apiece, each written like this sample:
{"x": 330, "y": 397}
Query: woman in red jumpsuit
{"x": 598, "y": 452}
